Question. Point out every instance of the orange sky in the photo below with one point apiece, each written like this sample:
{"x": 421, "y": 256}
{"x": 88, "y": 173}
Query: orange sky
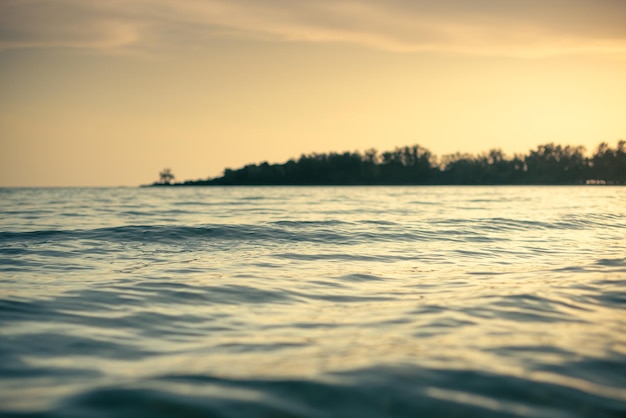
{"x": 109, "y": 93}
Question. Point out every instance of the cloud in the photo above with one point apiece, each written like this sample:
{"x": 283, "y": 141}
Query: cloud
{"x": 69, "y": 24}
{"x": 491, "y": 27}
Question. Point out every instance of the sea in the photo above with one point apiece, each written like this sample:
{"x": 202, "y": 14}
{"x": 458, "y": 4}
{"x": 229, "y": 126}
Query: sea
{"x": 313, "y": 302}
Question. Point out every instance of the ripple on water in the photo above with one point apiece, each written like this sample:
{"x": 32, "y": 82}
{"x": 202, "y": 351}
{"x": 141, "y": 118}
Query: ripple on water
{"x": 313, "y": 302}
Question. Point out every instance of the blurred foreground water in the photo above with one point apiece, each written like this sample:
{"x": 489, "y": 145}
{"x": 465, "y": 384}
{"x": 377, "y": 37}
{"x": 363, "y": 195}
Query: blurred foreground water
{"x": 313, "y": 302}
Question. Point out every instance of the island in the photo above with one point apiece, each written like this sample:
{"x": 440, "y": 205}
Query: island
{"x": 548, "y": 164}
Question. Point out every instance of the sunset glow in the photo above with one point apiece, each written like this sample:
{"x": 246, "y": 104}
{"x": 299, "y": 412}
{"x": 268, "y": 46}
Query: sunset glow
{"x": 97, "y": 94}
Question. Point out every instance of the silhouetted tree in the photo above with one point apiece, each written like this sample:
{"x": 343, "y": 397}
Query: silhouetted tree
{"x": 166, "y": 176}
{"x": 553, "y": 164}
{"x": 609, "y": 165}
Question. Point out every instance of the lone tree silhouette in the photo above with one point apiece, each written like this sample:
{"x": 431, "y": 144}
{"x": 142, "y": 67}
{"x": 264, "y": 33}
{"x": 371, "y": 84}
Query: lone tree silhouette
{"x": 166, "y": 176}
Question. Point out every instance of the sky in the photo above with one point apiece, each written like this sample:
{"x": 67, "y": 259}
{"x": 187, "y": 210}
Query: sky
{"x": 108, "y": 93}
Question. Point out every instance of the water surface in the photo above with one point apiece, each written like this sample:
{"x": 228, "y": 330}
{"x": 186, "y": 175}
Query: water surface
{"x": 313, "y": 302}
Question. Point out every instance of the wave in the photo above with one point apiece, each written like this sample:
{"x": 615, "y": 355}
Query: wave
{"x": 381, "y": 391}
{"x": 330, "y": 231}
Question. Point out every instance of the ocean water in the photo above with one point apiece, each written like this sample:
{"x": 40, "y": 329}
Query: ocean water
{"x": 313, "y": 302}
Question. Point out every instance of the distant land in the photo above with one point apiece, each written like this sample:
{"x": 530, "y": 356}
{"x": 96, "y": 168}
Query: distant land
{"x": 548, "y": 164}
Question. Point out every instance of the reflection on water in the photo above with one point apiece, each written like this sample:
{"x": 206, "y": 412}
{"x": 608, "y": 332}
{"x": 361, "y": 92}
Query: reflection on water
{"x": 439, "y": 301}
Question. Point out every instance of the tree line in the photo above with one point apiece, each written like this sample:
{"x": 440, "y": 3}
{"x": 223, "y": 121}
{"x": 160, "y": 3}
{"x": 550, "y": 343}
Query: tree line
{"x": 416, "y": 165}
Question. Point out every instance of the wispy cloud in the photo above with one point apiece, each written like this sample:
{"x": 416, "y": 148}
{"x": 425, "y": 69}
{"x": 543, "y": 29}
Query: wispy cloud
{"x": 492, "y": 27}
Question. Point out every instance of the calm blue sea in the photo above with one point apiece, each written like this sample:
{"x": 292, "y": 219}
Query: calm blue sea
{"x": 313, "y": 302}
